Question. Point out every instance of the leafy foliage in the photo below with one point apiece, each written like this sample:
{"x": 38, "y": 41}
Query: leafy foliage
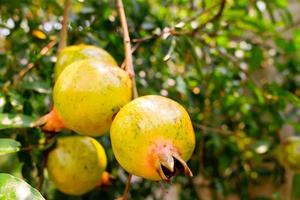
{"x": 15, "y": 188}
{"x": 9, "y": 146}
{"x": 235, "y": 70}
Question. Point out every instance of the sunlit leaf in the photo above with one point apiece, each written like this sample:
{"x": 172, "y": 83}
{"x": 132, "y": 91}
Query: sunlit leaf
{"x": 40, "y": 87}
{"x": 8, "y": 146}
{"x": 2, "y": 102}
{"x": 15, "y": 121}
{"x": 294, "y": 99}
{"x": 13, "y": 188}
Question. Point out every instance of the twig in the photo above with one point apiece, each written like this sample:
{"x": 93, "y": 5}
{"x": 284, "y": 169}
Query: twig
{"x": 127, "y": 46}
{"x": 64, "y": 29}
{"x": 62, "y": 44}
{"x": 295, "y": 24}
{"x": 200, "y": 13}
{"x": 43, "y": 52}
{"x": 287, "y": 187}
{"x": 129, "y": 68}
{"x": 127, "y": 187}
{"x": 206, "y": 128}
{"x": 217, "y": 16}
{"x": 172, "y": 31}
{"x": 132, "y": 51}
{"x": 43, "y": 165}
{"x": 288, "y": 183}
{"x": 41, "y": 172}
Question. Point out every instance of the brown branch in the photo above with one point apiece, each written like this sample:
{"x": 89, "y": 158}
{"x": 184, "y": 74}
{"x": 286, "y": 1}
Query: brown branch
{"x": 217, "y": 130}
{"x": 127, "y": 187}
{"x": 127, "y": 46}
{"x": 132, "y": 51}
{"x": 41, "y": 175}
{"x": 287, "y": 187}
{"x": 295, "y": 24}
{"x": 43, "y": 52}
{"x": 214, "y": 18}
{"x": 200, "y": 13}
{"x": 41, "y": 172}
{"x": 172, "y": 31}
{"x": 64, "y": 29}
{"x": 129, "y": 68}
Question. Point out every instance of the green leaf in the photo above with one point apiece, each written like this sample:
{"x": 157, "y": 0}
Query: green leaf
{"x": 256, "y": 58}
{"x": 13, "y": 188}
{"x": 15, "y": 121}
{"x": 9, "y": 146}
{"x": 294, "y": 99}
{"x": 38, "y": 86}
{"x": 296, "y": 184}
{"x": 281, "y": 3}
{"x": 2, "y": 101}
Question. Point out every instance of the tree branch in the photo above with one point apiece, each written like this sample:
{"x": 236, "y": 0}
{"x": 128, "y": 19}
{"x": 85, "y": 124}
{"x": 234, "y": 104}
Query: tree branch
{"x": 217, "y": 130}
{"x": 172, "y": 31}
{"x": 214, "y": 18}
{"x": 43, "y": 52}
{"x": 129, "y": 68}
{"x": 64, "y": 29}
{"x": 127, "y": 46}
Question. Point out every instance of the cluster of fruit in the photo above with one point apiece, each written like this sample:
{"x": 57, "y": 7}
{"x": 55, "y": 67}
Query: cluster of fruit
{"x": 151, "y": 136}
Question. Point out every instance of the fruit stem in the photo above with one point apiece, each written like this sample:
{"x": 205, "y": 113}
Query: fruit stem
{"x": 129, "y": 68}
{"x": 64, "y": 29}
{"x": 125, "y": 194}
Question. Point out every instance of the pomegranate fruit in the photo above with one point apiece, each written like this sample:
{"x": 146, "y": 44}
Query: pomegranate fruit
{"x": 152, "y": 137}
{"x": 76, "y": 164}
{"x": 289, "y": 153}
{"x": 87, "y": 95}
{"x": 52, "y": 122}
{"x": 74, "y": 53}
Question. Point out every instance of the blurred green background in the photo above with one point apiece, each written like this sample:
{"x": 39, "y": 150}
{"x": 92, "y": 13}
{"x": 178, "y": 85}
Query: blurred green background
{"x": 236, "y": 70}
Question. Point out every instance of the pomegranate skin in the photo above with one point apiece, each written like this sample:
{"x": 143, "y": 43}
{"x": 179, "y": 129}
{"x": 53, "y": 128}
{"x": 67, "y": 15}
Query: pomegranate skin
{"x": 74, "y": 53}
{"x": 76, "y": 164}
{"x": 151, "y": 135}
{"x": 88, "y": 94}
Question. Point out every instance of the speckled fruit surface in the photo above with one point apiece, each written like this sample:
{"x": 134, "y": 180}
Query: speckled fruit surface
{"x": 76, "y": 164}
{"x": 87, "y": 95}
{"x": 288, "y": 153}
{"x": 74, "y": 53}
{"x": 148, "y": 127}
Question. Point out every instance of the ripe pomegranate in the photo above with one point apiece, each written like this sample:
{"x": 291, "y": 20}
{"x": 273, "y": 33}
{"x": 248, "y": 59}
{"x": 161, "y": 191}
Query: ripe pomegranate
{"x": 87, "y": 95}
{"x": 152, "y": 137}
{"x": 76, "y": 164}
{"x": 74, "y": 53}
{"x": 289, "y": 153}
{"x": 52, "y": 122}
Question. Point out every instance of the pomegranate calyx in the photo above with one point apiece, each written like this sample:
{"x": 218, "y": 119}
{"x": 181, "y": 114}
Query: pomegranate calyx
{"x": 170, "y": 165}
{"x": 50, "y": 123}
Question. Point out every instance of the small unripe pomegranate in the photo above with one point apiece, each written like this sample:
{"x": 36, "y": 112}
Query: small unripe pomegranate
{"x": 289, "y": 153}
{"x": 76, "y": 164}
{"x": 88, "y": 93}
{"x": 152, "y": 137}
{"x": 74, "y": 53}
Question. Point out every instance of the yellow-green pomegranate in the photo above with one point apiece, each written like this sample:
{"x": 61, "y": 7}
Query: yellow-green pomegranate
{"x": 88, "y": 93}
{"x": 152, "y": 137}
{"x": 74, "y": 53}
{"x": 76, "y": 164}
{"x": 289, "y": 153}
